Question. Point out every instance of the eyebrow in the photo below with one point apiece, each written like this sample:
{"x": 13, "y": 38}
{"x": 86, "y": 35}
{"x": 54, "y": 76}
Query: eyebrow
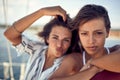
{"x": 54, "y": 35}
{"x": 94, "y": 30}
{"x": 58, "y": 36}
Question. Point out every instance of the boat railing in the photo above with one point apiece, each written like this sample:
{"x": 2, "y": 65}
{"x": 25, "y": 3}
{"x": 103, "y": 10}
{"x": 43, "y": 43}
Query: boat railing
{"x": 6, "y": 68}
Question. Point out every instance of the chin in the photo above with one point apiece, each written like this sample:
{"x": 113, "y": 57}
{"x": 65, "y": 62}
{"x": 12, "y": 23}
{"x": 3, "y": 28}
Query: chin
{"x": 91, "y": 52}
{"x": 58, "y": 55}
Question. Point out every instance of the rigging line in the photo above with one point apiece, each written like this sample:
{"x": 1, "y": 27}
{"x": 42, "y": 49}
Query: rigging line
{"x": 27, "y": 6}
{"x": 5, "y": 8}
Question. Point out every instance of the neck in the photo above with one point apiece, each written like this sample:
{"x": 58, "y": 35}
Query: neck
{"x": 99, "y": 54}
{"x": 49, "y": 56}
{"x": 49, "y": 60}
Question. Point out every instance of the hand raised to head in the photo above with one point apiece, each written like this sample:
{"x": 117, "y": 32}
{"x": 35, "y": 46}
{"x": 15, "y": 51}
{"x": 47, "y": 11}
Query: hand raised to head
{"x": 54, "y": 11}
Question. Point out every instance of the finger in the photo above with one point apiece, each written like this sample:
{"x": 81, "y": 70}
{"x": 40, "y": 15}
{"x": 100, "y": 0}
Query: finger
{"x": 62, "y": 13}
{"x": 63, "y": 16}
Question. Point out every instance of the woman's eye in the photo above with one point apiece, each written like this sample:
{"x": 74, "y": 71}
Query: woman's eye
{"x": 54, "y": 37}
{"x": 99, "y": 33}
{"x": 67, "y": 40}
{"x": 83, "y": 33}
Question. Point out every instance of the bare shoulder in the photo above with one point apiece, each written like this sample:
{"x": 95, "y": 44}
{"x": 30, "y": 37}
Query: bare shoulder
{"x": 70, "y": 65}
{"x": 74, "y": 58}
{"x": 73, "y": 61}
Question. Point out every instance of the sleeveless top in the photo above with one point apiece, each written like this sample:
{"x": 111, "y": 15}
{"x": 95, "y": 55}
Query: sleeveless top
{"x": 106, "y": 75}
{"x": 83, "y": 56}
{"x": 34, "y": 67}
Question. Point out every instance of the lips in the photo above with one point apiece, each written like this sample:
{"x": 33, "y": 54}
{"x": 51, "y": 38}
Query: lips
{"x": 59, "y": 50}
{"x": 92, "y": 48}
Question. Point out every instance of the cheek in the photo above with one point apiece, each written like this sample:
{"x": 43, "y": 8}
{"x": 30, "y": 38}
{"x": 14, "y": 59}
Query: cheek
{"x": 52, "y": 42}
{"x": 83, "y": 41}
{"x": 66, "y": 45}
{"x": 101, "y": 41}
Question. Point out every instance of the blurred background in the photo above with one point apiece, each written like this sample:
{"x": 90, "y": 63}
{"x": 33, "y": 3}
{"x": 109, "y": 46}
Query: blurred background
{"x": 12, "y": 67}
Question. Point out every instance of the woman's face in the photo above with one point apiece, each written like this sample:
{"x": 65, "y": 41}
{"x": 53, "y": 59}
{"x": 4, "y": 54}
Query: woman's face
{"x": 92, "y": 35}
{"x": 59, "y": 40}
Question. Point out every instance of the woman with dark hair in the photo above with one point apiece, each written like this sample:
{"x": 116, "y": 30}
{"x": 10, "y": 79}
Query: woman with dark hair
{"x": 45, "y": 58}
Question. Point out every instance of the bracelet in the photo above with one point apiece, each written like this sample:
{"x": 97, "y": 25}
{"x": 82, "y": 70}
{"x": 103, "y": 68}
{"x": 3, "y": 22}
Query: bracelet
{"x": 16, "y": 29}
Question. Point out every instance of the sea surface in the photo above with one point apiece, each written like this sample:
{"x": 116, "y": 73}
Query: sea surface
{"x": 5, "y": 46}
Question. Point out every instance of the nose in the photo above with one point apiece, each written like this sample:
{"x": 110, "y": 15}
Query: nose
{"x": 91, "y": 39}
{"x": 59, "y": 43}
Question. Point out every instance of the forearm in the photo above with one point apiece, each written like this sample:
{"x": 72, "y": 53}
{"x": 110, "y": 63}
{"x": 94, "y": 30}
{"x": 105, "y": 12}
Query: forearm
{"x": 13, "y": 33}
{"x": 26, "y": 21}
{"x": 109, "y": 62}
{"x": 83, "y": 75}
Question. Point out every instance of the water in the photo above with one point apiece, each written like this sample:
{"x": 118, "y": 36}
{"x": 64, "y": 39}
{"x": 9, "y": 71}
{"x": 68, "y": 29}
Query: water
{"x": 4, "y": 45}
{"x": 23, "y": 58}
{"x": 112, "y": 42}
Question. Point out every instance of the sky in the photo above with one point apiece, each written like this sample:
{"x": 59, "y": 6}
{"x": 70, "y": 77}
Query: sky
{"x": 12, "y": 10}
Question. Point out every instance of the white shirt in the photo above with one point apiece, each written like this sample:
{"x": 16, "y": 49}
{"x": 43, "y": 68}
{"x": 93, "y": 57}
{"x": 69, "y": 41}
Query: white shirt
{"x": 34, "y": 68}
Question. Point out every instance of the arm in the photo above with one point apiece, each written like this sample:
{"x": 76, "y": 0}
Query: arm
{"x": 13, "y": 33}
{"x": 83, "y": 75}
{"x": 67, "y": 70}
{"x": 109, "y": 62}
{"x": 69, "y": 66}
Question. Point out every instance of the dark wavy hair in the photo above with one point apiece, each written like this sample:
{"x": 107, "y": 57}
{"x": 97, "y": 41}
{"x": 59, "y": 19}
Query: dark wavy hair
{"x": 58, "y": 22}
{"x": 54, "y": 22}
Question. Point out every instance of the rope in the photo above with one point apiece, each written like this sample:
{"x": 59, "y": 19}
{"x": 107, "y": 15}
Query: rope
{"x": 5, "y": 8}
{"x": 27, "y": 6}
